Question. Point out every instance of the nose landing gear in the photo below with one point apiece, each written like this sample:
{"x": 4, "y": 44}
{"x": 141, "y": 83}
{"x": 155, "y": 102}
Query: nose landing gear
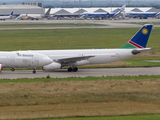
{"x": 34, "y": 71}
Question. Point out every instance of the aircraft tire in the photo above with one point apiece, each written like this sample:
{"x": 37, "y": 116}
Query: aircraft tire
{"x": 34, "y": 71}
{"x": 75, "y": 69}
{"x": 70, "y": 69}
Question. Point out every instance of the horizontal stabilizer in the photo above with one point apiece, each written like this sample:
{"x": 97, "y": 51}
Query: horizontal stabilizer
{"x": 139, "y": 51}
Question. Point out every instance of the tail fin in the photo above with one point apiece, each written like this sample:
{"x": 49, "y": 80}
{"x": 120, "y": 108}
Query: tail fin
{"x": 123, "y": 7}
{"x": 11, "y": 14}
{"x": 48, "y": 11}
{"x": 120, "y": 10}
{"x": 158, "y": 13}
{"x": 140, "y": 39}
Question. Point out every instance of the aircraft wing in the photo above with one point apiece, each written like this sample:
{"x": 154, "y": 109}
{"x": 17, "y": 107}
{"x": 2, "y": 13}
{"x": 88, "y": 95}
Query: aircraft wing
{"x": 73, "y": 59}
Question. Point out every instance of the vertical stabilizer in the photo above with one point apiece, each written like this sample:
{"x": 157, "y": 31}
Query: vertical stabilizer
{"x": 11, "y": 14}
{"x": 48, "y": 11}
{"x": 140, "y": 39}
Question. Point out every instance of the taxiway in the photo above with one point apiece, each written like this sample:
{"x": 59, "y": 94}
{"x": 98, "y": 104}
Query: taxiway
{"x": 98, "y": 72}
{"x": 103, "y": 23}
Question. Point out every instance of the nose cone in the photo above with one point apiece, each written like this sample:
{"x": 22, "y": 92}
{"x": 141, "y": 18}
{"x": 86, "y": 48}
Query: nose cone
{"x": 45, "y": 60}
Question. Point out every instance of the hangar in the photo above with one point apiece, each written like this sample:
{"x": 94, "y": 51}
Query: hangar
{"x": 76, "y": 11}
{"x": 20, "y": 9}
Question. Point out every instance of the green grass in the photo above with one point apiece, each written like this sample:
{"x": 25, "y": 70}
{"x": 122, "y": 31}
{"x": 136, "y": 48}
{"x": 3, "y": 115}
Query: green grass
{"x": 71, "y": 38}
{"x": 27, "y": 80}
{"x": 128, "y": 117}
{"x": 10, "y": 25}
{"x": 140, "y": 62}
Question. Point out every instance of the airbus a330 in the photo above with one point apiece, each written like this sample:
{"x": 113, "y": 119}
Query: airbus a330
{"x": 73, "y": 58}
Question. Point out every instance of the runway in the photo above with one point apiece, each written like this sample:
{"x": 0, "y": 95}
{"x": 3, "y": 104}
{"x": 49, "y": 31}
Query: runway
{"x": 98, "y": 72}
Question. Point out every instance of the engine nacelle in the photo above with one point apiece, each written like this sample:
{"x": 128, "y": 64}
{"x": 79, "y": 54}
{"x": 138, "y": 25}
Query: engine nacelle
{"x": 82, "y": 62}
{"x": 52, "y": 66}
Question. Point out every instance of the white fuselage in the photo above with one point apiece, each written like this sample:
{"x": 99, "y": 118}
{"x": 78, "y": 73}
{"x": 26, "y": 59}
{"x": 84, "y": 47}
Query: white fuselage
{"x": 4, "y": 17}
{"x": 101, "y": 56}
{"x": 30, "y": 16}
{"x": 74, "y": 58}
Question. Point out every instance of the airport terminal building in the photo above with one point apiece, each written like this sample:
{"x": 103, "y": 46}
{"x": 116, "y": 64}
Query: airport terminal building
{"x": 77, "y": 11}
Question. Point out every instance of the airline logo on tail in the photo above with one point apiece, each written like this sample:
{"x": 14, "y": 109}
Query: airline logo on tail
{"x": 140, "y": 39}
{"x": 145, "y": 31}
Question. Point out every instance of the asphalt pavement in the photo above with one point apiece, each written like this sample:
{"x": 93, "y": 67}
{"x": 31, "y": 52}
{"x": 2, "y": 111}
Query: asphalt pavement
{"x": 98, "y": 72}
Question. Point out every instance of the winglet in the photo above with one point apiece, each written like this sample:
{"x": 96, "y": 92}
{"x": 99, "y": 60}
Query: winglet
{"x": 140, "y": 39}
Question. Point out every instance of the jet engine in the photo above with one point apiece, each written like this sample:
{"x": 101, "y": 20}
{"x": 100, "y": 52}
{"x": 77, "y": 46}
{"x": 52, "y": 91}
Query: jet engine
{"x": 52, "y": 66}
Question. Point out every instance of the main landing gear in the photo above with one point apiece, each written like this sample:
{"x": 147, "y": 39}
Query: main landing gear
{"x": 75, "y": 69}
{"x": 34, "y": 71}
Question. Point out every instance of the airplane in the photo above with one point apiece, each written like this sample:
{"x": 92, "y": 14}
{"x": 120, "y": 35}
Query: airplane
{"x": 72, "y": 58}
{"x": 34, "y": 16}
{"x": 6, "y": 17}
{"x": 103, "y": 15}
{"x": 143, "y": 15}
{"x": 23, "y": 60}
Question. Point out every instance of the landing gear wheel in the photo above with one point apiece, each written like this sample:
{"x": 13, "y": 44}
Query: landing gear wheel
{"x": 12, "y": 69}
{"x": 70, "y": 69}
{"x": 75, "y": 69}
{"x": 34, "y": 71}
